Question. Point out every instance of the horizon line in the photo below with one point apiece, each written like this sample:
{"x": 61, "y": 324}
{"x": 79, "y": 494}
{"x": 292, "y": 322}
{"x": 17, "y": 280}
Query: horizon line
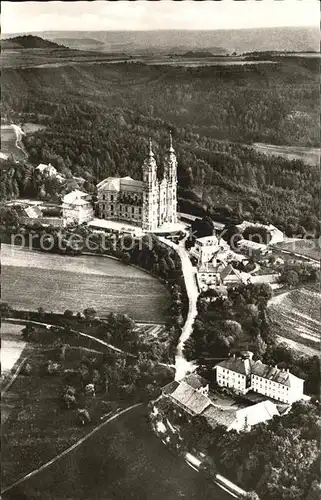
{"x": 158, "y": 29}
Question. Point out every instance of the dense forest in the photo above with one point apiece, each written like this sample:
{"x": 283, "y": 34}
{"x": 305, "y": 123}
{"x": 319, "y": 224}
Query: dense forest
{"x": 98, "y": 119}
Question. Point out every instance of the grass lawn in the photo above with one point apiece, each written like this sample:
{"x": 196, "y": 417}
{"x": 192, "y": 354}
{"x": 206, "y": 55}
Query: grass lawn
{"x": 38, "y": 426}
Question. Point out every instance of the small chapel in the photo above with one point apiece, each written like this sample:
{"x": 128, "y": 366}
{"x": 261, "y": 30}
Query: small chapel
{"x": 150, "y": 203}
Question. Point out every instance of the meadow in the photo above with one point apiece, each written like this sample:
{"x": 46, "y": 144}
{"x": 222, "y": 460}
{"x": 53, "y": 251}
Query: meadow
{"x": 60, "y": 283}
{"x": 309, "y": 156}
{"x": 306, "y": 248}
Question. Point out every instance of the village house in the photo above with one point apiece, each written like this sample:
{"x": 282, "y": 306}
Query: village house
{"x": 242, "y": 374}
{"x": 77, "y": 208}
{"x": 49, "y": 171}
{"x": 222, "y": 276}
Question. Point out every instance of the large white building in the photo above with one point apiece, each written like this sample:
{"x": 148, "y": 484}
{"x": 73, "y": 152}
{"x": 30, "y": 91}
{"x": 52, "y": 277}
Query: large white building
{"x": 242, "y": 374}
{"x": 192, "y": 396}
{"x": 149, "y": 203}
{"x": 77, "y": 208}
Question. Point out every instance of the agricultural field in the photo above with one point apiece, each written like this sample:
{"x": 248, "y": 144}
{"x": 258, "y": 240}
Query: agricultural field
{"x": 306, "y": 248}
{"x": 60, "y": 282}
{"x": 309, "y": 156}
{"x": 297, "y": 316}
{"x": 11, "y": 345}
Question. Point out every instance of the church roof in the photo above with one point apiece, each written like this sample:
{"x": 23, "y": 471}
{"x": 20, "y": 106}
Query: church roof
{"x": 129, "y": 184}
{"x": 110, "y": 184}
{"x": 121, "y": 184}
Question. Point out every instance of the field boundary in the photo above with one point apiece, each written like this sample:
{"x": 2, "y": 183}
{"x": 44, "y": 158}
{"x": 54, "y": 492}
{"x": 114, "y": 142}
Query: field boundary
{"x": 13, "y": 378}
{"x": 71, "y": 448}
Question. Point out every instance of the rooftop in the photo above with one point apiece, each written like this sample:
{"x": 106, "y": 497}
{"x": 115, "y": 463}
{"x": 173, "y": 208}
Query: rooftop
{"x": 255, "y": 414}
{"x": 251, "y": 244}
{"x": 191, "y": 399}
{"x": 195, "y": 381}
{"x": 207, "y": 240}
{"x": 273, "y": 373}
{"x": 229, "y": 270}
{"x": 121, "y": 184}
{"x": 218, "y": 416}
{"x": 76, "y": 196}
{"x": 113, "y": 225}
{"x": 237, "y": 365}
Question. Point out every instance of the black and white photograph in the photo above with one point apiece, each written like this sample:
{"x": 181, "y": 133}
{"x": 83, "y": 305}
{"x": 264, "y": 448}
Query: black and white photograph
{"x": 160, "y": 250}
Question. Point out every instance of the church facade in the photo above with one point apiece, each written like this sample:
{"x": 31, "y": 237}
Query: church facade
{"x": 149, "y": 203}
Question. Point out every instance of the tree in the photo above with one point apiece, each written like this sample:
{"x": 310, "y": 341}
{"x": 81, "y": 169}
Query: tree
{"x": 52, "y": 368}
{"x": 260, "y": 234}
{"x": 292, "y": 278}
{"x": 5, "y": 310}
{"x": 209, "y": 467}
{"x": 26, "y": 369}
{"x": 68, "y": 313}
{"x": 41, "y": 312}
{"x": 315, "y": 491}
{"x": 83, "y": 416}
{"x": 203, "y": 227}
{"x": 250, "y": 495}
{"x": 89, "y": 313}
{"x": 232, "y": 235}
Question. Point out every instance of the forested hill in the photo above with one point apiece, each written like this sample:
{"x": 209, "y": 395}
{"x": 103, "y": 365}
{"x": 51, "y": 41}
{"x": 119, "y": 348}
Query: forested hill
{"x": 29, "y": 42}
{"x": 99, "y": 118}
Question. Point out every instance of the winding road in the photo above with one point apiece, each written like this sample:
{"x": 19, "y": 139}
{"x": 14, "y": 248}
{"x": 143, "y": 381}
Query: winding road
{"x": 182, "y": 366}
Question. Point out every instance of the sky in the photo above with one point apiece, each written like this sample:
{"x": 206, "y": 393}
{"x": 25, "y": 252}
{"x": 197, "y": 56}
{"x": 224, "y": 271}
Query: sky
{"x": 165, "y": 14}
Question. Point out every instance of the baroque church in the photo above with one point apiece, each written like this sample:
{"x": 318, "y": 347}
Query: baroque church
{"x": 149, "y": 203}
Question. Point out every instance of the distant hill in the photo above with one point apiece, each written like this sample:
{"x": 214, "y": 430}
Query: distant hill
{"x": 294, "y": 39}
{"x": 204, "y": 53}
{"x": 81, "y": 43}
{"x": 29, "y": 42}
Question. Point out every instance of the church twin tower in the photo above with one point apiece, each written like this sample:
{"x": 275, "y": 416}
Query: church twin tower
{"x": 159, "y": 196}
{"x": 150, "y": 203}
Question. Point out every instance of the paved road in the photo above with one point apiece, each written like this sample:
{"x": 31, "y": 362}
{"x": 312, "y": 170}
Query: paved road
{"x": 182, "y": 366}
